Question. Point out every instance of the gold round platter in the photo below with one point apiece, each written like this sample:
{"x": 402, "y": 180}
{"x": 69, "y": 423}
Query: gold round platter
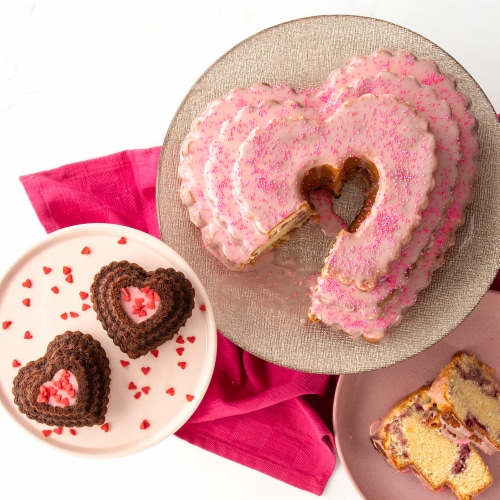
{"x": 301, "y": 53}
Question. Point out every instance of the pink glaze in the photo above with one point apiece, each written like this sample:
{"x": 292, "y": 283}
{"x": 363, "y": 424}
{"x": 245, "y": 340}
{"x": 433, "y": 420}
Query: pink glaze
{"x": 236, "y": 237}
{"x": 438, "y": 114}
{"x": 139, "y": 305}
{"x": 331, "y": 224}
{"x": 426, "y": 73}
{"x": 60, "y": 391}
{"x": 382, "y": 130}
{"x": 195, "y": 152}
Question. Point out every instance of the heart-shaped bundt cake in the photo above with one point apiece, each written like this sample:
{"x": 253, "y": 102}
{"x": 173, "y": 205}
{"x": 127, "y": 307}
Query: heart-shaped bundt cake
{"x": 254, "y": 159}
{"x": 139, "y": 309}
{"x": 68, "y": 386}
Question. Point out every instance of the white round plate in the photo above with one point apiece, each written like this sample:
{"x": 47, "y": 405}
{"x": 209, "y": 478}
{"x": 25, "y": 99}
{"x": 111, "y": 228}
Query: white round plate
{"x": 184, "y": 364}
{"x": 364, "y": 397}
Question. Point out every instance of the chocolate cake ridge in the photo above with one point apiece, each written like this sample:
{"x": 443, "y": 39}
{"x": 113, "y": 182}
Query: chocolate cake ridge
{"x": 137, "y": 339}
{"x": 83, "y": 356}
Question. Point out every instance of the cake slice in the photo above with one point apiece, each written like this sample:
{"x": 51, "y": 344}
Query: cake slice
{"x": 466, "y": 403}
{"x": 407, "y": 443}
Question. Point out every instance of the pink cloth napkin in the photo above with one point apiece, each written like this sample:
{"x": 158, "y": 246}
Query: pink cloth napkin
{"x": 273, "y": 419}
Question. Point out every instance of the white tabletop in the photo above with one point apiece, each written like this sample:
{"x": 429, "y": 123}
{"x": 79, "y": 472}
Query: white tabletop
{"x": 82, "y": 79}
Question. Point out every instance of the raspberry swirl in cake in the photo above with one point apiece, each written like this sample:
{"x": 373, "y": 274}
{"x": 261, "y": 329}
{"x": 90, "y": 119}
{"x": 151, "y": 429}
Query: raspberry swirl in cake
{"x": 408, "y": 444}
{"x": 467, "y": 400}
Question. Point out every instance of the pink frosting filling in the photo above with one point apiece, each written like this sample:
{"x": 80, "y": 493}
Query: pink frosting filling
{"x": 60, "y": 391}
{"x": 139, "y": 304}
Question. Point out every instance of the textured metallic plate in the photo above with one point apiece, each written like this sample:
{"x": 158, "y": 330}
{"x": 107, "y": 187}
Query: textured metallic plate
{"x": 302, "y": 53}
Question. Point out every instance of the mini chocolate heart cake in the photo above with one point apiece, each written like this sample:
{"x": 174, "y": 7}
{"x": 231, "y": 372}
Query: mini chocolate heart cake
{"x": 139, "y": 309}
{"x": 68, "y": 386}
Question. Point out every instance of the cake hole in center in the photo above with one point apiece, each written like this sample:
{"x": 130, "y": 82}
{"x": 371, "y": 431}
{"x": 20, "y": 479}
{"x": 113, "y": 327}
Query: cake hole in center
{"x": 352, "y": 190}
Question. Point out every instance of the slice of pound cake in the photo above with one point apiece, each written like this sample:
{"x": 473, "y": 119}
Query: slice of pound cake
{"x": 409, "y": 444}
{"x": 467, "y": 400}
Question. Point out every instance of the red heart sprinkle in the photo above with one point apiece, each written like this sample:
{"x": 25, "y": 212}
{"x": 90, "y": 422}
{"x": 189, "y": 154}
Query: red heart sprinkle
{"x": 146, "y": 289}
{"x": 58, "y": 430}
{"x": 179, "y": 350}
{"x": 145, "y": 369}
{"x": 191, "y": 339}
{"x": 85, "y": 250}
{"x": 83, "y": 295}
{"x": 6, "y": 324}
{"x": 203, "y": 307}
{"x": 124, "y": 363}
{"x": 72, "y": 432}
{"x": 46, "y": 269}
{"x": 155, "y": 353}
{"x": 137, "y": 395}
{"x": 85, "y": 307}
{"x": 132, "y": 386}
{"x": 182, "y": 364}
{"x": 73, "y": 314}
{"x": 66, "y": 270}
{"x": 27, "y": 335}
{"x": 26, "y": 302}
{"x": 15, "y": 363}
{"x": 64, "y": 315}
{"x": 180, "y": 340}
{"x": 105, "y": 427}
{"x": 27, "y": 283}
{"x": 144, "y": 424}
{"x": 189, "y": 397}
{"x": 150, "y": 304}
{"x": 55, "y": 289}
{"x": 69, "y": 278}
{"x": 170, "y": 391}
{"x": 46, "y": 432}
{"x": 146, "y": 389}
{"x": 122, "y": 241}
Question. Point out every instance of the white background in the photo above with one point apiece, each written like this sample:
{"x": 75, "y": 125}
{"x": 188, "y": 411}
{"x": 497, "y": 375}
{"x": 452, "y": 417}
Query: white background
{"x": 82, "y": 79}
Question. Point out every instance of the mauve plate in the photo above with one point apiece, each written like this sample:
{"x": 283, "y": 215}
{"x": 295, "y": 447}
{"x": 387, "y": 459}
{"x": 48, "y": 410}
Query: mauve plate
{"x": 362, "y": 398}
{"x": 302, "y": 53}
